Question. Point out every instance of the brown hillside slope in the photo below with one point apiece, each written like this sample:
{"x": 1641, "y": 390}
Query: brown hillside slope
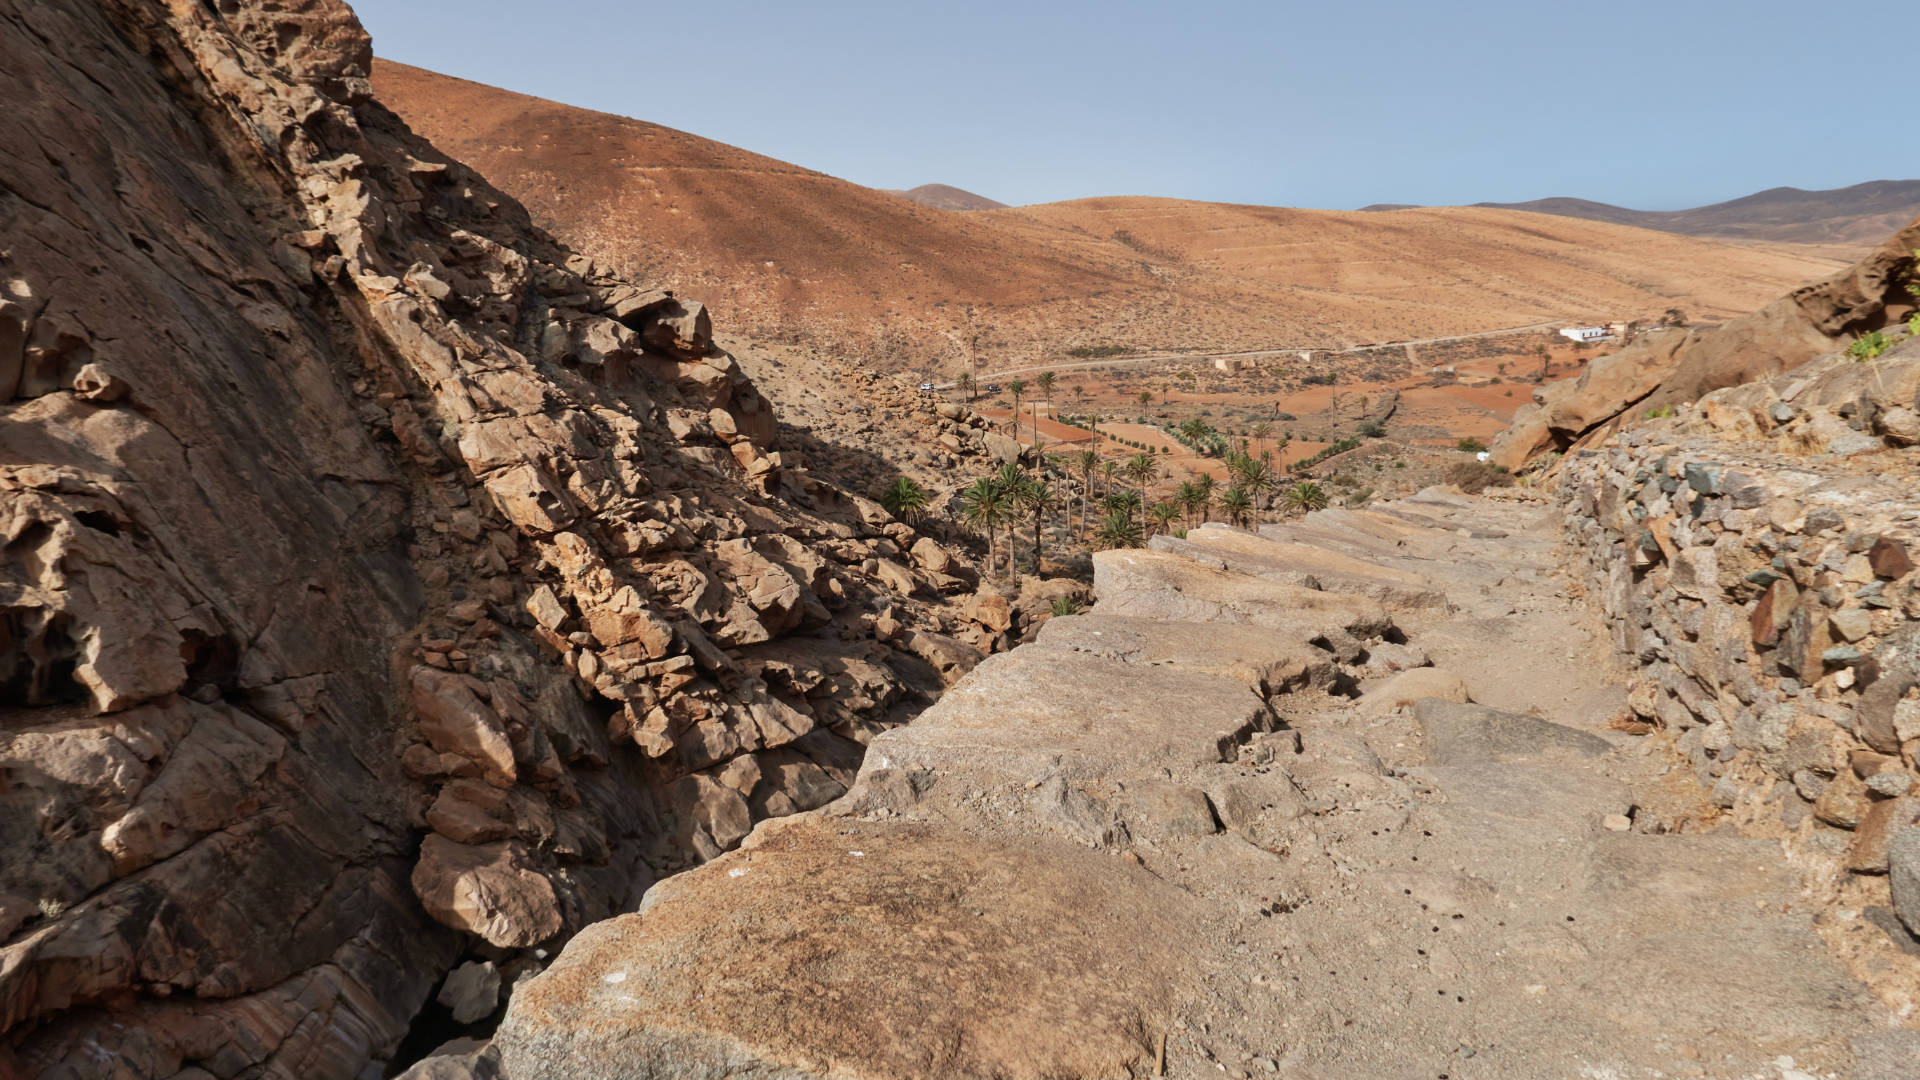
{"x": 782, "y": 250}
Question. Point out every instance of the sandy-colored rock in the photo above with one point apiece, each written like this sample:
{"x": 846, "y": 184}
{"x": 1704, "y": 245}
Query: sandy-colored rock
{"x": 990, "y": 610}
{"x": 1408, "y": 687}
{"x": 455, "y": 721}
{"x": 958, "y": 956}
{"x": 487, "y": 890}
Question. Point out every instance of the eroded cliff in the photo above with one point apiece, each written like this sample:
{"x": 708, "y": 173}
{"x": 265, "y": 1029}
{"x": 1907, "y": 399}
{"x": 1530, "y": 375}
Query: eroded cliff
{"x": 381, "y": 584}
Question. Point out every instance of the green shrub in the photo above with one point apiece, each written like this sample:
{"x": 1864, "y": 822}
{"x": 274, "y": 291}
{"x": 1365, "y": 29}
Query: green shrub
{"x": 1869, "y": 346}
{"x": 1372, "y": 430}
{"x": 1470, "y": 445}
{"x": 1659, "y": 412}
{"x": 1065, "y": 605}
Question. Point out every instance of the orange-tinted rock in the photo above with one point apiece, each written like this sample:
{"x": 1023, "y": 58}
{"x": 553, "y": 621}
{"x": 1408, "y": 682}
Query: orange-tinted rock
{"x": 487, "y": 890}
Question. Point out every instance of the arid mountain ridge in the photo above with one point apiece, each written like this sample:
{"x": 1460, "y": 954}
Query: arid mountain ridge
{"x": 781, "y": 252}
{"x": 1862, "y": 214}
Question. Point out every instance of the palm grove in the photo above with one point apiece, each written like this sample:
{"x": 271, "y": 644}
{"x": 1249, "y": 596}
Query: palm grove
{"x": 1103, "y": 502}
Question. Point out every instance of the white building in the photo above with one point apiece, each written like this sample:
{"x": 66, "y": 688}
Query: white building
{"x": 1586, "y": 333}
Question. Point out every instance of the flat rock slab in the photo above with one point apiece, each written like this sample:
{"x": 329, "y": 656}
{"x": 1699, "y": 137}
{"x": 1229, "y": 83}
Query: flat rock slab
{"x": 1458, "y": 734}
{"x": 1306, "y": 565}
{"x": 1043, "y": 711}
{"x": 1170, "y": 588}
{"x": 1268, "y": 661}
{"x": 832, "y": 948}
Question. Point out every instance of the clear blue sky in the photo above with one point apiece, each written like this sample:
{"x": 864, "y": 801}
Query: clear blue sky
{"x": 1653, "y": 104}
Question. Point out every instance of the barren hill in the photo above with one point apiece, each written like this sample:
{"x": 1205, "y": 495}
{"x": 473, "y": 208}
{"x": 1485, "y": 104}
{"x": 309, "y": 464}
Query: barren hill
{"x": 946, "y": 197}
{"x": 783, "y": 251}
{"x": 1862, "y": 214}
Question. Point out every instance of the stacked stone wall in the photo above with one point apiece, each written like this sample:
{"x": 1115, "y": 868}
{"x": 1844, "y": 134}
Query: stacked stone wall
{"x": 1769, "y": 608}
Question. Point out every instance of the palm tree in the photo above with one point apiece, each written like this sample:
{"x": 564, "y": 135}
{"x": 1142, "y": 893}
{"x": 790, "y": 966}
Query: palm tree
{"x": 1306, "y": 495}
{"x": 1016, "y": 388}
{"x": 965, "y": 382}
{"x": 1187, "y": 497}
{"x": 1196, "y": 432}
{"x": 1257, "y": 479}
{"x": 1035, "y": 496}
{"x": 1236, "y": 502}
{"x": 1109, "y": 470}
{"x": 1142, "y": 470}
{"x": 1146, "y": 397}
{"x": 1260, "y": 433}
{"x": 1161, "y": 514}
{"x": 985, "y": 504}
{"x": 1206, "y": 484}
{"x": 1046, "y": 380}
{"x": 1088, "y": 461}
{"x": 1121, "y": 502}
{"x": 1118, "y": 530}
{"x": 905, "y": 499}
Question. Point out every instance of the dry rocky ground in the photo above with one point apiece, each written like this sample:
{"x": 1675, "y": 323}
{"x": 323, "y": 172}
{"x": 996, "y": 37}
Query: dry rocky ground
{"x": 1165, "y": 839}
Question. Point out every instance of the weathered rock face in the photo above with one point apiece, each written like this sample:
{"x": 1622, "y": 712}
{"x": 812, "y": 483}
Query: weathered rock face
{"x": 1673, "y": 367}
{"x": 339, "y": 507}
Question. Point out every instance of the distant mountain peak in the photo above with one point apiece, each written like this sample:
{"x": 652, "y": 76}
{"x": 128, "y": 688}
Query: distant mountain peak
{"x": 947, "y": 197}
{"x": 1860, "y": 214}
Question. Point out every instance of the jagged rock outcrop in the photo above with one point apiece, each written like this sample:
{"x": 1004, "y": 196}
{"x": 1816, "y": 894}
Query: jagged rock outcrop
{"x": 381, "y": 582}
{"x": 1672, "y": 367}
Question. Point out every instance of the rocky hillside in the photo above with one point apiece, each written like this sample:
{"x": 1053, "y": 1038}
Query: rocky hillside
{"x": 385, "y": 587}
{"x": 790, "y": 255}
{"x": 1662, "y": 370}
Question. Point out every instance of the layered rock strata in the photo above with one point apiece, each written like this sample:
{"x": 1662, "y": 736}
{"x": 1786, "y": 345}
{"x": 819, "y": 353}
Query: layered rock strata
{"x": 381, "y": 582}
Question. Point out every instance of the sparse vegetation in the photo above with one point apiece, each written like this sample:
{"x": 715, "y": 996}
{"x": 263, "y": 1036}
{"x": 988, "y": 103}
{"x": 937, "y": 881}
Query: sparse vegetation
{"x": 1098, "y": 352}
{"x": 1118, "y": 530}
{"x": 1306, "y": 495}
{"x": 1474, "y": 477}
{"x": 1064, "y": 606}
{"x": 1470, "y": 445}
{"x": 1373, "y": 430}
{"x": 905, "y": 499}
{"x": 1869, "y": 346}
{"x": 1659, "y": 412}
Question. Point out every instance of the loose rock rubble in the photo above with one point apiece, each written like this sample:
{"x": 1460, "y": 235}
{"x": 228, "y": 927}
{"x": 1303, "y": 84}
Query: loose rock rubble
{"x": 1165, "y": 831}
